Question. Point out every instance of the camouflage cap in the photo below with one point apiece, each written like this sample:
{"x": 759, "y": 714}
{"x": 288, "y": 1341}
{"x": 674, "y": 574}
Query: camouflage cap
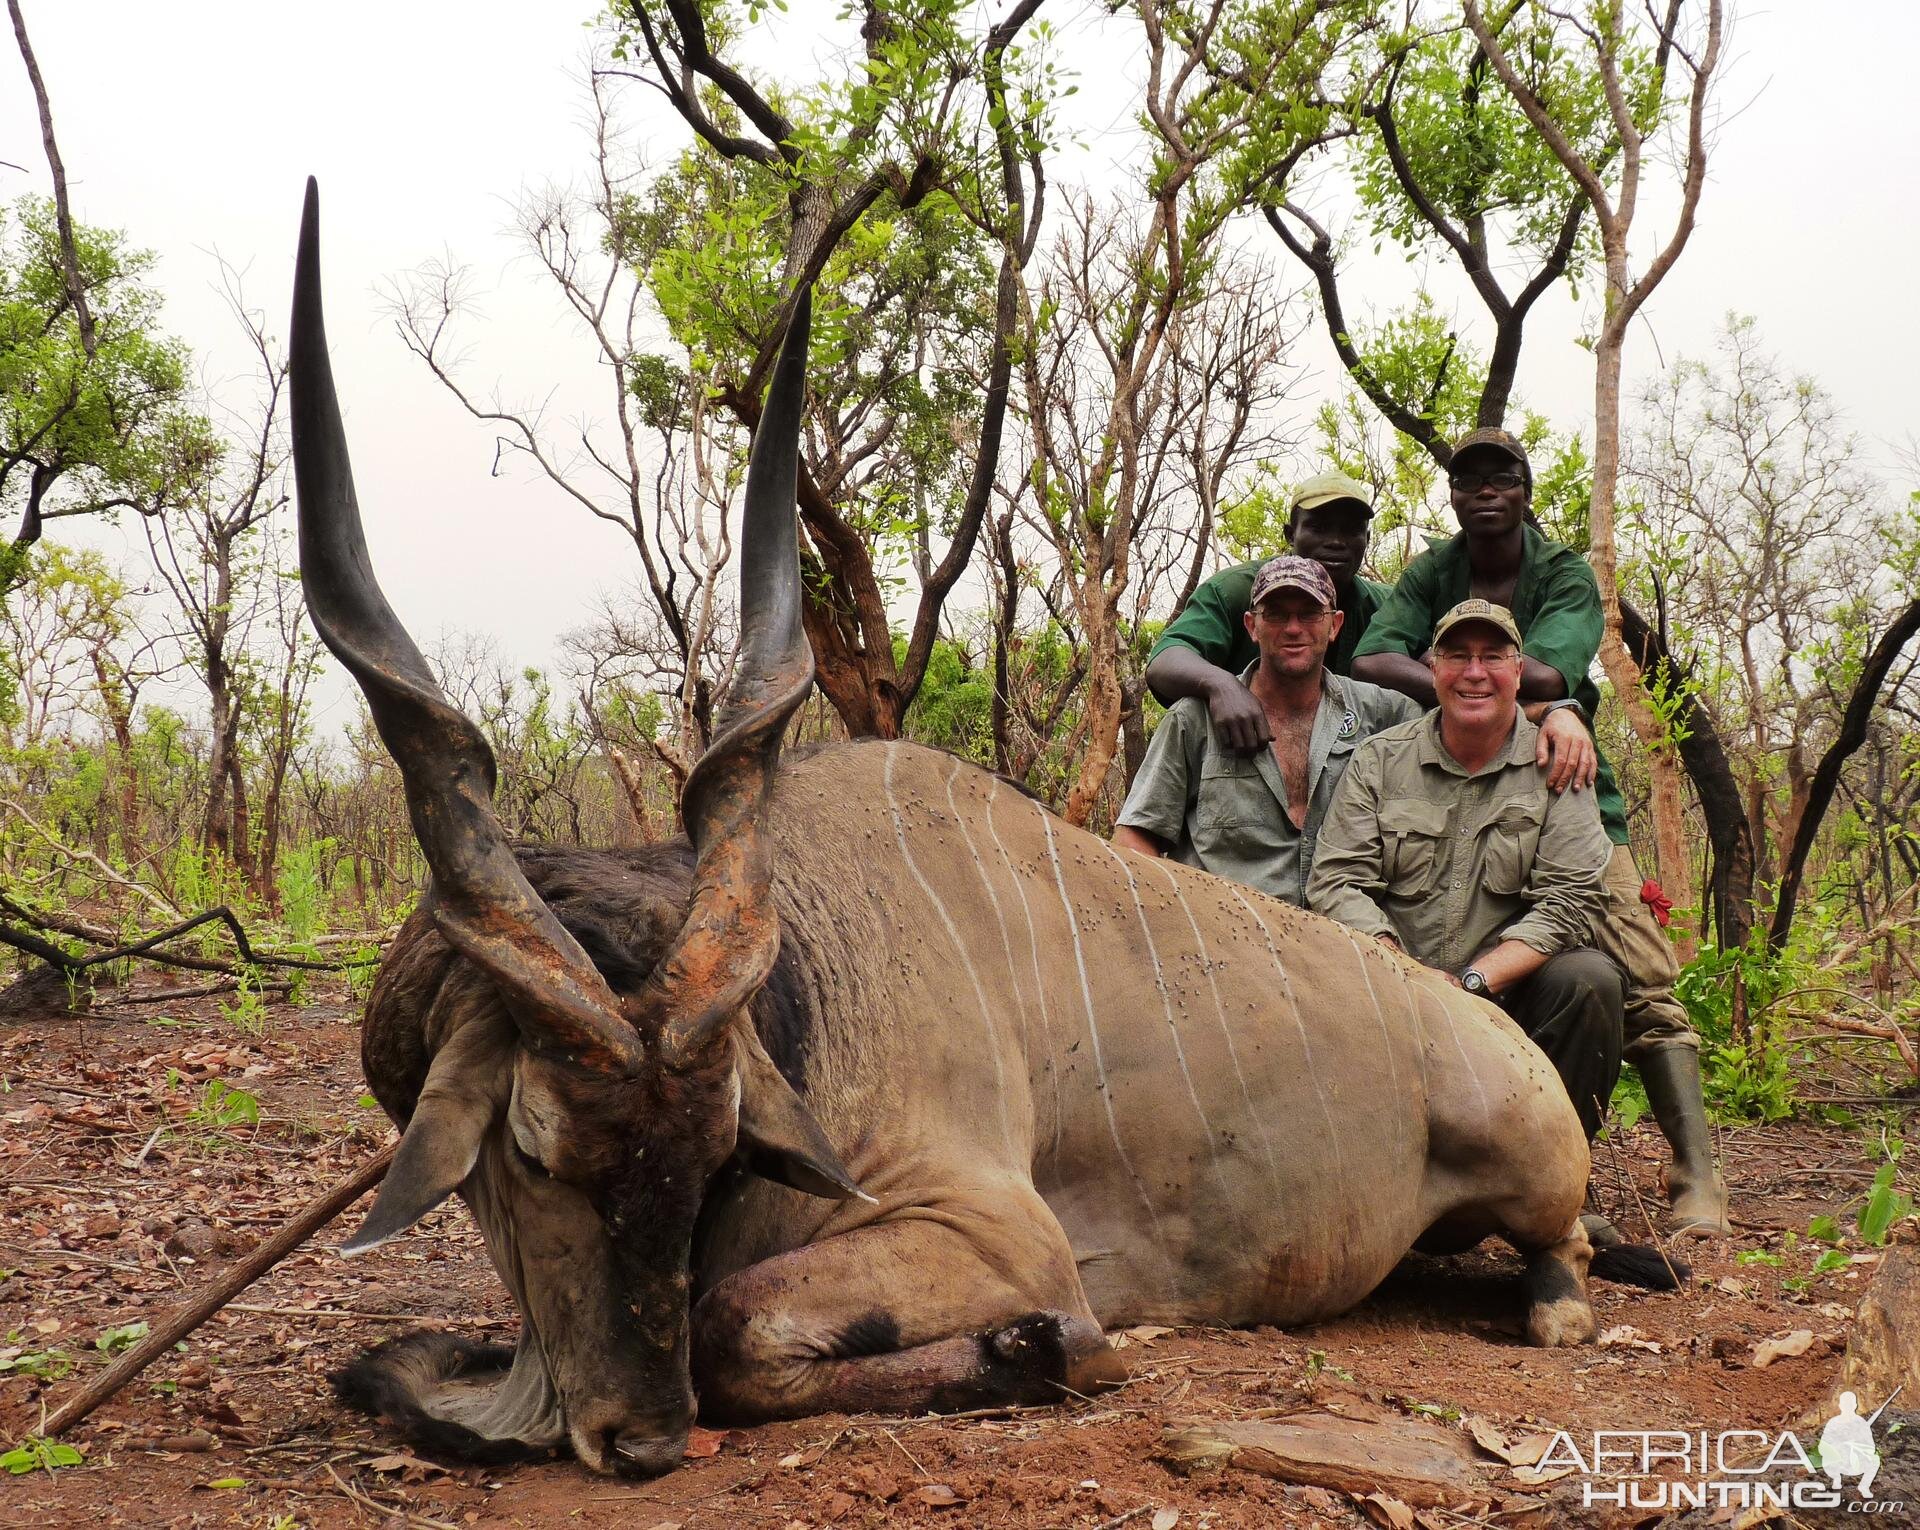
{"x": 1330, "y": 488}
{"x": 1495, "y": 440}
{"x": 1498, "y": 617}
{"x": 1288, "y": 572}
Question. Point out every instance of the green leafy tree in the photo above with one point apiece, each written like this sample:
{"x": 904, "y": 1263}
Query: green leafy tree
{"x": 891, "y": 190}
{"x": 83, "y": 429}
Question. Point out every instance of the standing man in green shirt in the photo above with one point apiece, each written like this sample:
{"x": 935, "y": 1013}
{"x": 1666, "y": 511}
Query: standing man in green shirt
{"x": 1207, "y": 648}
{"x": 1500, "y": 558}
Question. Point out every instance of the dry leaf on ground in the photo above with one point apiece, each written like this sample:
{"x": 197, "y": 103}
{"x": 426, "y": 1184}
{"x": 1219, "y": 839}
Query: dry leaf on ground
{"x": 1785, "y": 1347}
{"x": 1390, "y": 1513}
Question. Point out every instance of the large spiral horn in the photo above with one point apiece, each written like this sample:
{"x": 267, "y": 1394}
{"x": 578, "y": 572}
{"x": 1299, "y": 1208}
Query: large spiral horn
{"x": 727, "y": 946}
{"x": 480, "y": 901}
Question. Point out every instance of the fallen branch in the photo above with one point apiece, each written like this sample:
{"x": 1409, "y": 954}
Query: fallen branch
{"x": 232, "y": 1281}
{"x": 223, "y": 985}
{"x": 147, "y": 946}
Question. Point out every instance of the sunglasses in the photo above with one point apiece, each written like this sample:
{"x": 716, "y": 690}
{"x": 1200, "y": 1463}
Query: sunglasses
{"x": 1469, "y": 483}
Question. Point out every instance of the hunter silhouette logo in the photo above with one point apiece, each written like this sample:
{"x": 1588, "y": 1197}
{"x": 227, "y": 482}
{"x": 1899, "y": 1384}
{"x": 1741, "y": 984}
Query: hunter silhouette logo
{"x": 1846, "y": 1444}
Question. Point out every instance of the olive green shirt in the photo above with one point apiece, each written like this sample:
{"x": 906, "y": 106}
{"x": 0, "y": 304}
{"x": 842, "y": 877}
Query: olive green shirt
{"x": 1451, "y": 862}
{"x": 1556, "y": 605}
{"x": 1213, "y": 623}
{"x": 1225, "y": 811}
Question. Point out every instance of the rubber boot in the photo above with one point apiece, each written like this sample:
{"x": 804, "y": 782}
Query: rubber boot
{"x": 1671, "y": 1075}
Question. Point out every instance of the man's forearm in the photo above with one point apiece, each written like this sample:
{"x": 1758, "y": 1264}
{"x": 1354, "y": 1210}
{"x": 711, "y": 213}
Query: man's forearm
{"x": 1138, "y": 841}
{"x": 1509, "y": 963}
{"x": 1540, "y": 682}
{"x": 1396, "y": 672}
{"x": 1177, "y": 673}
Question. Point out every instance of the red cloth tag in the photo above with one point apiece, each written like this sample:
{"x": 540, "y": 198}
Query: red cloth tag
{"x": 1659, "y": 902}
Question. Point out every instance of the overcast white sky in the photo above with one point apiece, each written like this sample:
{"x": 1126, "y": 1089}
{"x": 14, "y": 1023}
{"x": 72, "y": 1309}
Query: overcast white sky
{"x": 192, "y": 127}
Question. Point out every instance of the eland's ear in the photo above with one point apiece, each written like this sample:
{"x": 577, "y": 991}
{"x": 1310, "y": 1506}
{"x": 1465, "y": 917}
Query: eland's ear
{"x": 464, "y": 1090}
{"x": 778, "y": 1134}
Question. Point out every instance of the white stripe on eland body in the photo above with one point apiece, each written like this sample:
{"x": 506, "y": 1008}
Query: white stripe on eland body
{"x": 1226, "y": 1030}
{"x": 1306, "y": 1043}
{"x": 1033, "y": 948}
{"x": 1166, "y": 1004}
{"x": 1093, "y": 1034}
{"x": 1386, "y": 1035}
{"x": 1006, "y": 943}
{"x": 953, "y": 934}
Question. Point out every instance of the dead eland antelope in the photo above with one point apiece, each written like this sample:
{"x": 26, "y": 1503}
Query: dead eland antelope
{"x": 883, "y": 1089}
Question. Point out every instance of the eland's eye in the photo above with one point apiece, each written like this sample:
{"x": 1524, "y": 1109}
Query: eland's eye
{"x": 527, "y": 1161}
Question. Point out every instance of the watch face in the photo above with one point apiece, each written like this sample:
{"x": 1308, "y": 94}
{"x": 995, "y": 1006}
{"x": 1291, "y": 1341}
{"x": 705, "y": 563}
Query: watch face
{"x": 1473, "y": 982}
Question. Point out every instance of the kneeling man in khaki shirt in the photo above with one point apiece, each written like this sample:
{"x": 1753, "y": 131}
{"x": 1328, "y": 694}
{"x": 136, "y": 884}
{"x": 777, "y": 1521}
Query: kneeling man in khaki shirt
{"x": 1445, "y": 843}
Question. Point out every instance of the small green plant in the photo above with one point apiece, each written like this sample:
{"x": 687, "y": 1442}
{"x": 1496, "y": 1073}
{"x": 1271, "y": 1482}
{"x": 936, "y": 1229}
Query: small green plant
{"x": 1829, "y": 1261}
{"x": 1758, "y": 1256}
{"x": 362, "y": 966}
{"x": 248, "y": 1010}
{"x": 125, "y": 1336}
{"x": 36, "y": 1453}
{"x": 1885, "y": 1207}
{"x": 40, "y": 1364}
{"x": 1318, "y": 1365}
{"x": 223, "y": 1107}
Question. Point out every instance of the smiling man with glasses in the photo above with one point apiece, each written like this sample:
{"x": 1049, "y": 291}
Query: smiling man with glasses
{"x": 1499, "y": 557}
{"x": 1446, "y": 843}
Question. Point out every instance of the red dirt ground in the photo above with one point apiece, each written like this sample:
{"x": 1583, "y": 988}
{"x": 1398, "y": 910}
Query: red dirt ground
{"x": 241, "y": 1428}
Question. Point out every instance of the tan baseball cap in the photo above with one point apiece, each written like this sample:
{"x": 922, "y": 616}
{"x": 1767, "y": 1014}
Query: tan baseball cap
{"x": 1497, "y": 617}
{"x": 1327, "y": 488}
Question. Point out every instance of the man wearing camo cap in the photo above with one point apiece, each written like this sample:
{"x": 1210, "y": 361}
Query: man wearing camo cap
{"x": 1255, "y": 817}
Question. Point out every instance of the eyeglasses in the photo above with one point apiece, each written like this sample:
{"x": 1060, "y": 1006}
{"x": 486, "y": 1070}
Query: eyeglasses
{"x": 1454, "y": 659}
{"x": 1469, "y": 483}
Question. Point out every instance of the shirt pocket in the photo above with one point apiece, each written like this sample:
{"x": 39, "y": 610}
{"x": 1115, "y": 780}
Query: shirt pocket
{"x": 1513, "y": 835}
{"x": 1232, "y": 794}
{"x": 1411, "y": 831}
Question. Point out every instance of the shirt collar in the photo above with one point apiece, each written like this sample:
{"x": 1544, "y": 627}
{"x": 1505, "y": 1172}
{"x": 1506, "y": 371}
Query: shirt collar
{"x": 1521, "y": 744}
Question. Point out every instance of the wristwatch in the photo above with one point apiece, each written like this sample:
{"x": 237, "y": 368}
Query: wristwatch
{"x": 1475, "y": 982}
{"x": 1565, "y": 701}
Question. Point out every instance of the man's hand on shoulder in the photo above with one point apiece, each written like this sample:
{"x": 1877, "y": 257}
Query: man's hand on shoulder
{"x": 1565, "y": 751}
{"x": 1237, "y": 716}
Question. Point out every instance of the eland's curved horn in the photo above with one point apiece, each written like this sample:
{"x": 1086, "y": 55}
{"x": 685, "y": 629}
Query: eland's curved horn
{"x": 480, "y": 901}
{"x": 727, "y": 946}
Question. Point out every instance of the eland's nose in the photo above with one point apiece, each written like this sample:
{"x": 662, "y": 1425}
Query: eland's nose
{"x": 647, "y": 1455}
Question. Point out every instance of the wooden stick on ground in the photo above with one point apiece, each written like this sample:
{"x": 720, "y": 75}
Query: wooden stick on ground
{"x": 232, "y": 1281}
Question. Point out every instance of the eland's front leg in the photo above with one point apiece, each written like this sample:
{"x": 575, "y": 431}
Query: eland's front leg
{"x": 906, "y": 1316}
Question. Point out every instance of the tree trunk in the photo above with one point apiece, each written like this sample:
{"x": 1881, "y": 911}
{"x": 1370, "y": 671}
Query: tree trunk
{"x": 1668, "y": 807}
{"x": 1826, "y": 778}
{"x": 1101, "y": 702}
{"x": 1729, "y": 885}
{"x": 216, "y": 833}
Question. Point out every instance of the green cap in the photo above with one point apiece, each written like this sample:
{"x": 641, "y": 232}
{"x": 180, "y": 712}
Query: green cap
{"x": 1326, "y": 488}
{"x": 1498, "y": 617}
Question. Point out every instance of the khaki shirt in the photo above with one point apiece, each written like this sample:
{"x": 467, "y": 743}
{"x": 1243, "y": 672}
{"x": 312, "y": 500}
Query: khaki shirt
{"x": 1451, "y": 863}
{"x": 1226, "y": 812}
